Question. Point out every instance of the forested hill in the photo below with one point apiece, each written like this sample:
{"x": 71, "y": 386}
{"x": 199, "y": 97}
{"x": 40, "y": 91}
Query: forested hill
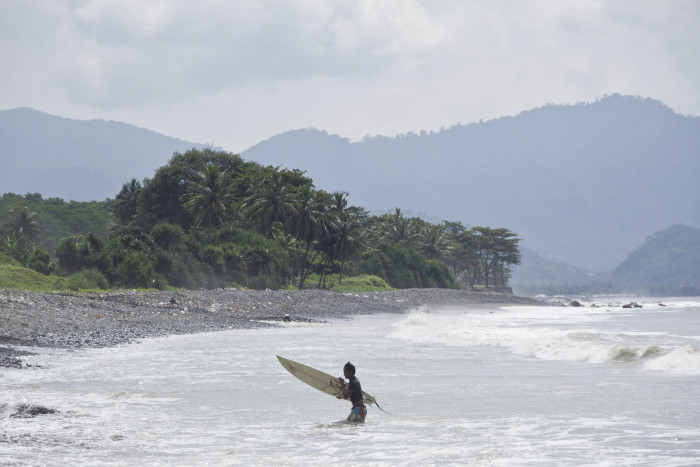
{"x": 583, "y": 184}
{"x": 76, "y": 159}
{"x": 670, "y": 257}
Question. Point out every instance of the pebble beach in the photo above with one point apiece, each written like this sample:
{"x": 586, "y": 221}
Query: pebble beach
{"x": 87, "y": 320}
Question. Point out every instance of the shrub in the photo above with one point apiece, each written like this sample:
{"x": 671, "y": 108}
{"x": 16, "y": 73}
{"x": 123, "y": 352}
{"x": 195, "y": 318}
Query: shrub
{"x": 438, "y": 274}
{"x": 166, "y": 235}
{"x": 403, "y": 267}
{"x": 214, "y": 257}
{"x": 40, "y": 261}
{"x": 68, "y": 254}
{"x": 185, "y": 271}
{"x": 363, "y": 283}
{"x": 136, "y": 270}
{"x": 262, "y": 282}
{"x": 87, "y": 279}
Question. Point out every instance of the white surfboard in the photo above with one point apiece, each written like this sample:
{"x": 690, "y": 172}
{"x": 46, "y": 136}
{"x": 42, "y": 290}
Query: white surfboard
{"x": 318, "y": 379}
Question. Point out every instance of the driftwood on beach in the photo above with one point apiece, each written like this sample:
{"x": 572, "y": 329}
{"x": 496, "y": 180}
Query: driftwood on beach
{"x": 105, "y": 319}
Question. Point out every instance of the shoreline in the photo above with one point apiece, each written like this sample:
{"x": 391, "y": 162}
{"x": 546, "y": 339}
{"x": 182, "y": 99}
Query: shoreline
{"x": 89, "y": 320}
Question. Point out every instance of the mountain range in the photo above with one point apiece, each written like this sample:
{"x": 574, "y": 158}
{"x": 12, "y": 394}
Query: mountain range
{"x": 580, "y": 184}
{"x": 76, "y": 159}
{"x": 667, "y": 258}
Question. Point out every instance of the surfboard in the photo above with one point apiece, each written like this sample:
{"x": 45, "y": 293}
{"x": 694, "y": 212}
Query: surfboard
{"x": 318, "y": 379}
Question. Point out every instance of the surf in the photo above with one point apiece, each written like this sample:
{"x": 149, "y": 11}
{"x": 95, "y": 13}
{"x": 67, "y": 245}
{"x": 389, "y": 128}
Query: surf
{"x": 558, "y": 334}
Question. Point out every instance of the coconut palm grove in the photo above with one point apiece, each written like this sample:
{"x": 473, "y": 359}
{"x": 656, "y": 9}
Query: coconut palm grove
{"x": 209, "y": 219}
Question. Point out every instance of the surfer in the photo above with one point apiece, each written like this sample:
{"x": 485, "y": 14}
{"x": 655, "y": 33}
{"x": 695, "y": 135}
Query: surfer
{"x": 353, "y": 391}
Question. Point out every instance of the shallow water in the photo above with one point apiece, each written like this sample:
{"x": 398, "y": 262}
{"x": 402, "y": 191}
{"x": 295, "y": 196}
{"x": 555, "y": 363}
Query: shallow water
{"x": 480, "y": 386}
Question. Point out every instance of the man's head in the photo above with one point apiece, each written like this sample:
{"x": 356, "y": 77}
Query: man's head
{"x": 349, "y": 370}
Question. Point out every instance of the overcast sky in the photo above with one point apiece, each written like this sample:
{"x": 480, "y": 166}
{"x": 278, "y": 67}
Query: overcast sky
{"x": 233, "y": 73}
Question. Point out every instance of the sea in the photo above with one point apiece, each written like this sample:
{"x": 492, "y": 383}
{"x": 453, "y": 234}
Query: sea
{"x": 485, "y": 385}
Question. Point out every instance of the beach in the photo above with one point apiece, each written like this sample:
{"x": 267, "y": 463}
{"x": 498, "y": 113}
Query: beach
{"x": 93, "y": 320}
{"x": 467, "y": 384}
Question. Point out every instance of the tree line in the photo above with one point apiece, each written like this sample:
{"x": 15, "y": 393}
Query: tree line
{"x": 210, "y": 219}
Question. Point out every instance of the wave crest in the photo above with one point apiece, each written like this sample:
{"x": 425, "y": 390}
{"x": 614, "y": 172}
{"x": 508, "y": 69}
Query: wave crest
{"x": 648, "y": 351}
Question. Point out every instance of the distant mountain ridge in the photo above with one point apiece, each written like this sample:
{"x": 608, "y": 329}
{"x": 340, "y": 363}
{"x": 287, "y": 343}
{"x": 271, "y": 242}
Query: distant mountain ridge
{"x": 670, "y": 257}
{"x": 81, "y": 160}
{"x": 582, "y": 184}
{"x": 536, "y": 275}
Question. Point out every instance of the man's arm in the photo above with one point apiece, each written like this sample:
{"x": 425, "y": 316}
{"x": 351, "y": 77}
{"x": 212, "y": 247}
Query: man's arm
{"x": 344, "y": 390}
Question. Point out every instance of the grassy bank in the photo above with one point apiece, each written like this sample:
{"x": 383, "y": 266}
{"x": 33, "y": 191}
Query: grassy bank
{"x": 15, "y": 276}
{"x": 363, "y": 283}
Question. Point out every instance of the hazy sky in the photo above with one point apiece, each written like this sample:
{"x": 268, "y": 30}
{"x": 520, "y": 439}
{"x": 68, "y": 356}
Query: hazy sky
{"x": 236, "y": 72}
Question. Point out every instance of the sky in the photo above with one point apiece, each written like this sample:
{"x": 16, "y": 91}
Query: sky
{"x": 234, "y": 73}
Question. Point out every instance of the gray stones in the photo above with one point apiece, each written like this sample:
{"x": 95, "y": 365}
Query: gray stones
{"x": 76, "y": 321}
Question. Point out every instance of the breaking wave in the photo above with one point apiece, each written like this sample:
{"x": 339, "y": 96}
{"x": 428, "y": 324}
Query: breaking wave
{"x": 567, "y": 336}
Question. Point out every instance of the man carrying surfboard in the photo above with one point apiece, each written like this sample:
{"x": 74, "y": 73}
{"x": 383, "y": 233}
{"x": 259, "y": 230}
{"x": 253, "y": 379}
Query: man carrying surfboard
{"x": 325, "y": 382}
{"x": 353, "y": 391}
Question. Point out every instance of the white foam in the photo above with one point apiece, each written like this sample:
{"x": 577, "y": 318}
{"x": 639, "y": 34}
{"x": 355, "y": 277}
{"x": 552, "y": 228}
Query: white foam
{"x": 556, "y": 335}
{"x": 681, "y": 361}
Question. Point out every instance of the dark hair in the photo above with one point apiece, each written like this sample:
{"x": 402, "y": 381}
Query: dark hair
{"x": 350, "y": 367}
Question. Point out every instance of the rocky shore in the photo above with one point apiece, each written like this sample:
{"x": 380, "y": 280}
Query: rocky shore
{"x": 75, "y": 321}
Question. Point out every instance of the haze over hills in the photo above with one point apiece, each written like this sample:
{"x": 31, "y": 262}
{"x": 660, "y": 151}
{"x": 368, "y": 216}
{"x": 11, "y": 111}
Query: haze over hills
{"x": 670, "y": 257}
{"x": 582, "y": 184}
{"x": 76, "y": 159}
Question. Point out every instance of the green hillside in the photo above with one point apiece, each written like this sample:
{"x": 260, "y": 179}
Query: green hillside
{"x": 58, "y": 218}
{"x": 667, "y": 258}
{"x": 15, "y": 276}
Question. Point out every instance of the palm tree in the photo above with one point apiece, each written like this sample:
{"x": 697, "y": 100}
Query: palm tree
{"x": 307, "y": 216}
{"x": 434, "y": 242}
{"x": 209, "y": 198}
{"x": 15, "y": 247}
{"x": 126, "y": 201}
{"x": 274, "y": 203}
{"x": 339, "y": 203}
{"x": 325, "y": 242}
{"x": 308, "y": 226}
{"x": 289, "y": 245}
{"x": 398, "y": 229}
{"x": 341, "y": 238}
{"x": 347, "y": 242}
{"x": 24, "y": 224}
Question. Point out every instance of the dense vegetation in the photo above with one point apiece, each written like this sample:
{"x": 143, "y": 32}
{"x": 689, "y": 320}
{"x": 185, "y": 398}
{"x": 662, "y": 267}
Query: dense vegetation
{"x": 210, "y": 219}
{"x": 667, "y": 262}
{"x": 46, "y": 221}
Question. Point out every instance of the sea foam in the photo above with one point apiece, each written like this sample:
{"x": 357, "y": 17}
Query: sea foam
{"x": 556, "y": 335}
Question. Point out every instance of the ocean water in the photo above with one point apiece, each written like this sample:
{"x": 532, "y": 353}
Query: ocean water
{"x": 481, "y": 385}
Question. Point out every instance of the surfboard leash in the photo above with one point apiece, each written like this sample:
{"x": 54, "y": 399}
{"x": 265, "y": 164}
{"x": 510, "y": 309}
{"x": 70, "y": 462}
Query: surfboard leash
{"x": 377, "y": 404}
